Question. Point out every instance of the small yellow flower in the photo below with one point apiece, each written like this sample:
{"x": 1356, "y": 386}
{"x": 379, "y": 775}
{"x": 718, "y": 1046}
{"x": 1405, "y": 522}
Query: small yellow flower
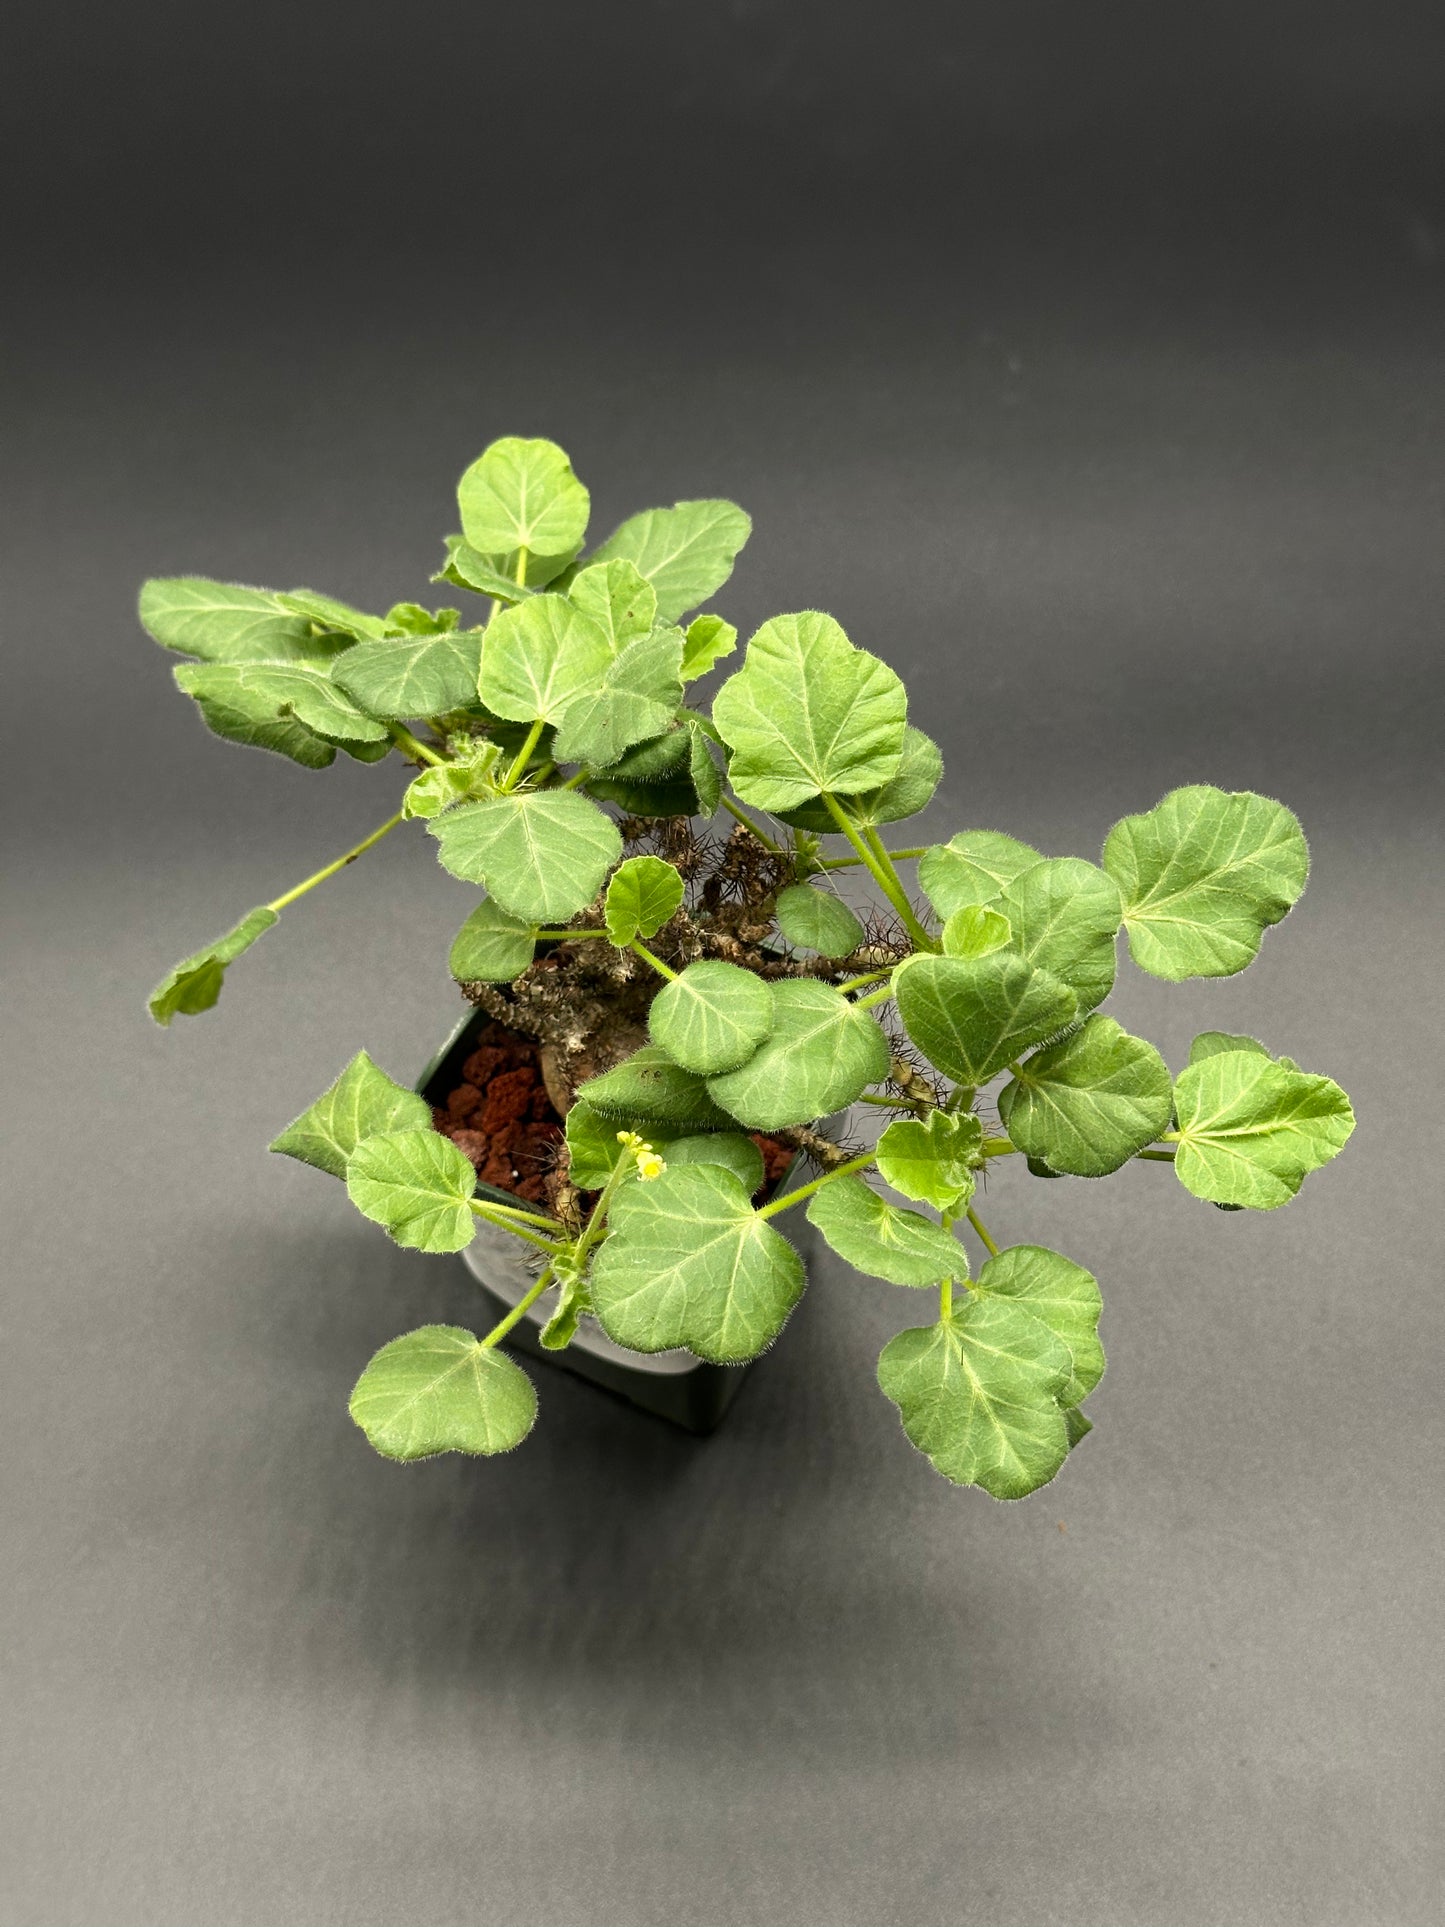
{"x": 649, "y": 1164}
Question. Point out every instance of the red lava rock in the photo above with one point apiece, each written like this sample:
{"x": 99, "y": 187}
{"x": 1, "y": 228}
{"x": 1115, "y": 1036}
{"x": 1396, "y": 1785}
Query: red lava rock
{"x": 462, "y": 1102}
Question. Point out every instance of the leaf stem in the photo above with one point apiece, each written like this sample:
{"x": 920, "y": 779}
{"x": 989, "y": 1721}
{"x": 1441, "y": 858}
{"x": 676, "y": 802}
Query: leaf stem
{"x": 748, "y": 824}
{"x": 999, "y": 1147}
{"x": 488, "y": 1214}
{"x": 567, "y": 936}
{"x": 879, "y": 996}
{"x": 516, "y": 1211}
{"x": 518, "y": 1311}
{"x": 868, "y": 977}
{"x": 664, "y": 970}
{"x": 360, "y": 849}
{"x": 883, "y": 873}
{"x": 521, "y": 576}
{"x": 404, "y": 739}
{"x": 523, "y": 757}
{"x": 1159, "y": 1157}
{"x": 789, "y": 1199}
{"x": 978, "y": 1225}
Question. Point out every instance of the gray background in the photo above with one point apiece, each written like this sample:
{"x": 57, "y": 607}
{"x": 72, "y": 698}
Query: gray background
{"x": 1087, "y": 364}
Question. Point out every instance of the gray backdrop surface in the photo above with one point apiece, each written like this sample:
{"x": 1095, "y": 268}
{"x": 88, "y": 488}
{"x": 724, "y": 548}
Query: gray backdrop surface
{"x": 1137, "y": 482}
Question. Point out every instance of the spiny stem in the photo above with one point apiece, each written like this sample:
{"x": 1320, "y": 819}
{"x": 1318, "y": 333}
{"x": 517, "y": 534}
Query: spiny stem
{"x": 748, "y": 824}
{"x": 883, "y": 873}
{"x": 279, "y": 903}
{"x": 663, "y": 970}
{"x": 404, "y": 739}
{"x": 523, "y": 757}
{"x": 518, "y": 1311}
{"x": 791, "y": 1198}
{"x": 978, "y": 1225}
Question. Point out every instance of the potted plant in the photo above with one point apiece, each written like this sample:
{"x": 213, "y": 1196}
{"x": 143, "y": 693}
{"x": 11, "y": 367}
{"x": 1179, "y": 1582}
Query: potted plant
{"x": 664, "y": 1010}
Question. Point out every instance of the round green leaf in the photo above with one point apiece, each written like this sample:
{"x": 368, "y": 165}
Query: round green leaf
{"x": 1088, "y": 1103}
{"x": 686, "y": 552}
{"x": 643, "y": 894}
{"x": 688, "y": 1262}
{"x": 439, "y": 1389}
{"x": 522, "y": 494}
{"x": 539, "y": 658}
{"x": 418, "y": 1185}
{"x": 363, "y": 1102}
{"x": 491, "y": 947}
{"x": 971, "y": 1015}
{"x": 400, "y": 676}
{"x": 1064, "y": 917}
{"x": 978, "y": 1394}
{"x": 649, "y": 1088}
{"x": 1202, "y": 876}
{"x": 712, "y": 1016}
{"x": 730, "y": 1149}
{"x": 618, "y": 598}
{"x": 635, "y": 702}
{"x": 933, "y": 1158}
{"x": 809, "y": 712}
{"x": 1251, "y": 1130}
{"x": 1063, "y": 1295}
{"x": 975, "y": 932}
{"x": 821, "y": 1052}
{"x": 541, "y": 853}
{"x": 973, "y": 867}
{"x": 817, "y": 920}
{"x": 909, "y": 790}
{"x": 902, "y": 1246}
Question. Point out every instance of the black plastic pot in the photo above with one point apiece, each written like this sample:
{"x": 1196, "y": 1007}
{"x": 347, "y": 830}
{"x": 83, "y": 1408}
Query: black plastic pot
{"x": 672, "y": 1385}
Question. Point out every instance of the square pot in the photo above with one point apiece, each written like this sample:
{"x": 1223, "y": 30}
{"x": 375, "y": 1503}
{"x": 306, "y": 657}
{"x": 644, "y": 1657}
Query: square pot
{"x": 673, "y": 1385}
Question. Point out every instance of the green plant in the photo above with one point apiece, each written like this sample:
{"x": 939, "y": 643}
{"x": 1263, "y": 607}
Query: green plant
{"x": 694, "y": 990}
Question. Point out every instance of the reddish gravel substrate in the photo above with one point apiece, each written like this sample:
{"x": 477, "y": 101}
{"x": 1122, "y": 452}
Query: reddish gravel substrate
{"x": 501, "y": 1117}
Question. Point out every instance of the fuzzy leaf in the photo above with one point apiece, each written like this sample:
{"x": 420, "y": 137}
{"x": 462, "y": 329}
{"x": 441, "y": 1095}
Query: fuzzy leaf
{"x": 1214, "y": 1043}
{"x": 817, "y": 920}
{"x": 1202, "y": 876}
{"x": 932, "y": 1159}
{"x": 882, "y": 1239}
{"x": 633, "y": 701}
{"x": 491, "y": 947}
{"x": 689, "y": 1262}
{"x": 439, "y": 788}
{"x": 593, "y": 1147}
{"x": 1088, "y": 1103}
{"x": 541, "y": 853}
{"x": 1064, "y": 916}
{"x": 730, "y": 1149}
{"x": 237, "y": 718}
{"x": 1063, "y": 1295}
{"x": 271, "y": 692}
{"x": 574, "y": 1299}
{"x": 194, "y": 984}
{"x": 821, "y": 1052}
{"x": 400, "y": 676}
{"x": 643, "y": 894}
{"x": 971, "y": 1015}
{"x": 363, "y": 1102}
{"x": 522, "y": 494}
{"x": 618, "y": 598}
{"x": 686, "y": 552}
{"x": 978, "y": 1394}
{"x": 1251, "y": 1130}
{"x": 712, "y": 1016}
{"x": 339, "y": 618}
{"x": 438, "y": 1389}
{"x": 224, "y": 622}
{"x": 975, "y": 866}
{"x": 975, "y": 932}
{"x": 809, "y": 712}
{"x": 418, "y": 1185}
{"x": 539, "y": 657}
{"x": 467, "y": 568}
{"x": 709, "y": 639}
{"x": 905, "y": 793}
{"x": 649, "y": 1088}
